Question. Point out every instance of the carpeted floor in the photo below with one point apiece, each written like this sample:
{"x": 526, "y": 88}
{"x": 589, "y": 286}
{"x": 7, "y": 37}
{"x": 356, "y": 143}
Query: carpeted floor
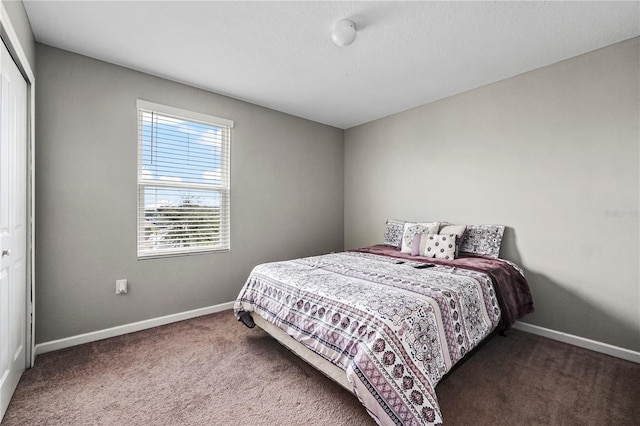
{"x": 214, "y": 371}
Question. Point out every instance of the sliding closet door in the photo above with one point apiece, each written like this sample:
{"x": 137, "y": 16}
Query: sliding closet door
{"x": 13, "y": 227}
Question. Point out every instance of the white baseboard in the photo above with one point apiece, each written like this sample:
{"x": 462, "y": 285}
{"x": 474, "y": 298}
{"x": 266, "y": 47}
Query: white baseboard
{"x": 67, "y": 342}
{"x": 593, "y": 345}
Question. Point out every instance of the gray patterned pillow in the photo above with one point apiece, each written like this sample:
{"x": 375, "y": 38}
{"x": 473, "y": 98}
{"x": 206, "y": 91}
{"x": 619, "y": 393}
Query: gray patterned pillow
{"x": 483, "y": 239}
{"x": 393, "y": 232}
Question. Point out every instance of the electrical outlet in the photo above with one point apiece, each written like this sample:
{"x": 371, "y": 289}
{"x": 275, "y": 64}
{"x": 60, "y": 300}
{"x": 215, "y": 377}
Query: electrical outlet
{"x": 121, "y": 286}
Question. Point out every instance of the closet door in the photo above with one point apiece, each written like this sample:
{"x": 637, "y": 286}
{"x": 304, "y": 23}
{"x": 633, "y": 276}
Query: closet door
{"x": 13, "y": 227}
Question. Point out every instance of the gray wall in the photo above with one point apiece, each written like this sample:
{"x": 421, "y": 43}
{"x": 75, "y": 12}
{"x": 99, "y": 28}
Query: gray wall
{"x": 20, "y": 22}
{"x": 553, "y": 154}
{"x": 287, "y": 189}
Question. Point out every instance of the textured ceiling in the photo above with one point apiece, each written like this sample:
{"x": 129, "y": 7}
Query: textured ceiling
{"x": 280, "y": 55}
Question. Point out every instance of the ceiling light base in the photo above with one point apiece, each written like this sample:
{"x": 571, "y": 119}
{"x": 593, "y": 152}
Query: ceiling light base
{"x": 344, "y": 32}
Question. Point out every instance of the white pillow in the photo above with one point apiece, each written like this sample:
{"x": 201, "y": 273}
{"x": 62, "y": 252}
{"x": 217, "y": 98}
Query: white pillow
{"x": 439, "y": 246}
{"x": 459, "y": 230}
{"x": 411, "y": 229}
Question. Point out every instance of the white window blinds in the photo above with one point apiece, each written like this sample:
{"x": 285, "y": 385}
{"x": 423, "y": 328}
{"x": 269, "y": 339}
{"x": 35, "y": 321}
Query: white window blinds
{"x": 183, "y": 181}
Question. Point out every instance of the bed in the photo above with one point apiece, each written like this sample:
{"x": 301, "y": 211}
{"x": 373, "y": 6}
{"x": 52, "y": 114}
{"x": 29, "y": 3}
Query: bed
{"x": 385, "y": 323}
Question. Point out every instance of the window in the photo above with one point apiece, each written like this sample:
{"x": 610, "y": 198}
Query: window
{"x": 183, "y": 181}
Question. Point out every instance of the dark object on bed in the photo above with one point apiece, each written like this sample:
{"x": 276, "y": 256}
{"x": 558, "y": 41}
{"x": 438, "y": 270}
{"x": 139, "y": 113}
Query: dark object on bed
{"x": 424, "y": 265}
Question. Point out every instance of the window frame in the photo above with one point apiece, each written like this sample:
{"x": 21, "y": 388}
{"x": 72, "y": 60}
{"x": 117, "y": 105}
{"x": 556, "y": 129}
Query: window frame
{"x": 224, "y": 188}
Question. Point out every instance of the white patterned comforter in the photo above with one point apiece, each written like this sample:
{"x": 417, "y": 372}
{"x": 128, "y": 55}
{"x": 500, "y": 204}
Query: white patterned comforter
{"x": 394, "y": 329}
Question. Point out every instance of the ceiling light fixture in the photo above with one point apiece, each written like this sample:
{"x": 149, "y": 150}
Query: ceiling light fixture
{"x": 344, "y": 32}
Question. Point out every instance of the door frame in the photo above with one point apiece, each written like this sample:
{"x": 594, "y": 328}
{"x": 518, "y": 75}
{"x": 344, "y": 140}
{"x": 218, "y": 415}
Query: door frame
{"x": 11, "y": 40}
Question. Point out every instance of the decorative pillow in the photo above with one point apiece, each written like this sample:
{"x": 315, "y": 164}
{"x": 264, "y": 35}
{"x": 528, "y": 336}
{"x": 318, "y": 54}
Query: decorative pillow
{"x": 411, "y": 229}
{"x": 459, "y": 230}
{"x": 393, "y": 232}
{"x": 483, "y": 239}
{"x": 439, "y": 246}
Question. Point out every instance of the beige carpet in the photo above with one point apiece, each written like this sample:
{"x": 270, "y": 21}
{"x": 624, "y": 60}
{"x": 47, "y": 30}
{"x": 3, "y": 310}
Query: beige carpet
{"x": 214, "y": 371}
